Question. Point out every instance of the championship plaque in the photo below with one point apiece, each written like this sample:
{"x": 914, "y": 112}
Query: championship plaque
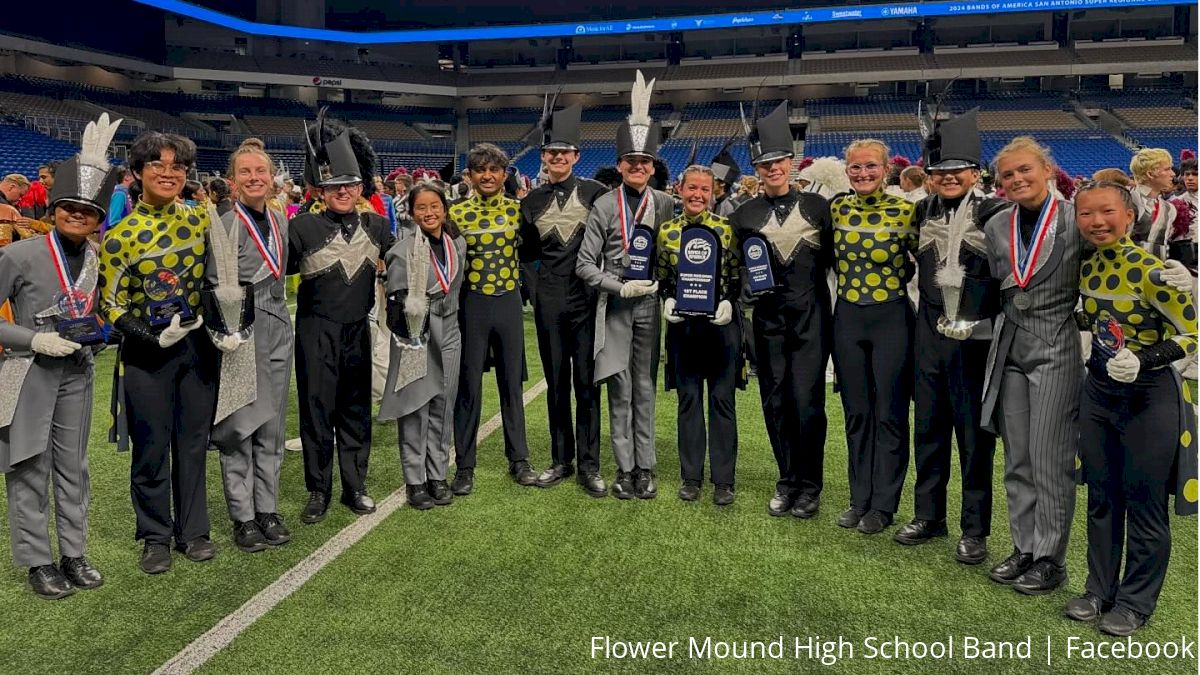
{"x": 162, "y": 288}
{"x": 758, "y": 264}
{"x": 639, "y": 259}
{"x": 698, "y": 272}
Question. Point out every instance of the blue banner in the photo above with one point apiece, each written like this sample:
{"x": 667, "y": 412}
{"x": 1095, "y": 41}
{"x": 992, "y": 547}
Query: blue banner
{"x": 631, "y": 26}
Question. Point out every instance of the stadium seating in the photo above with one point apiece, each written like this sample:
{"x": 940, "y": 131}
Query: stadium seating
{"x": 22, "y": 150}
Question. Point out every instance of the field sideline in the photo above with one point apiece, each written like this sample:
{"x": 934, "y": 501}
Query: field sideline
{"x": 522, "y": 579}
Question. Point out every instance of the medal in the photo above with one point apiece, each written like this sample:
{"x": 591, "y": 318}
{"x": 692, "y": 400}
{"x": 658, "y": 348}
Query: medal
{"x": 444, "y": 273}
{"x": 623, "y": 215}
{"x": 271, "y": 255}
{"x": 1022, "y": 257}
{"x": 1022, "y": 301}
{"x": 74, "y": 306}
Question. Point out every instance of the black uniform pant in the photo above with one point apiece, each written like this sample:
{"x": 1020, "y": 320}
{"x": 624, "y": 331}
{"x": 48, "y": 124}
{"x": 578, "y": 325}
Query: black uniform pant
{"x": 948, "y": 401}
{"x": 872, "y": 352}
{"x": 793, "y": 348}
{"x": 1128, "y": 437}
{"x": 565, "y": 318}
{"x": 490, "y": 320}
{"x": 170, "y": 400}
{"x": 706, "y": 354}
{"x": 333, "y": 381}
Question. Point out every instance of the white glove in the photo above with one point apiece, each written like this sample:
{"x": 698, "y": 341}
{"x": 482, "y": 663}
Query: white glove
{"x": 1189, "y": 371}
{"x": 637, "y": 289}
{"x": 669, "y": 311}
{"x": 1124, "y": 366}
{"x": 724, "y": 313}
{"x": 1085, "y": 345}
{"x": 51, "y": 344}
{"x": 226, "y": 343}
{"x": 953, "y": 332}
{"x": 174, "y": 332}
{"x": 1178, "y": 277}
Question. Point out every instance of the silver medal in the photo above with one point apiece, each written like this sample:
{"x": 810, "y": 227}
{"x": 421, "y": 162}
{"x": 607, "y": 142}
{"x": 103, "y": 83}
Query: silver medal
{"x": 1022, "y": 301}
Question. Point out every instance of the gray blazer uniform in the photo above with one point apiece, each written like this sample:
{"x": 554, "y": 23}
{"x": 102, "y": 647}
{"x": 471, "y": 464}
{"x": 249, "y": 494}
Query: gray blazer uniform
{"x": 600, "y": 265}
{"x": 1031, "y": 391}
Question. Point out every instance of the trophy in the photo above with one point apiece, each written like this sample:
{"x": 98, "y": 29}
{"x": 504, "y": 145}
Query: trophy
{"x": 639, "y": 259}
{"x": 758, "y": 264}
{"x": 698, "y": 272}
{"x": 166, "y": 300}
{"x": 77, "y": 323}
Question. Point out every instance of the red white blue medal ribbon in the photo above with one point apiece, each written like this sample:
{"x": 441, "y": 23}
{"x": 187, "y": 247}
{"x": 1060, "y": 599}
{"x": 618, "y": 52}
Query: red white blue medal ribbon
{"x": 1024, "y": 256}
{"x": 76, "y": 303}
{"x": 271, "y": 255}
{"x": 444, "y": 273}
{"x": 623, "y": 215}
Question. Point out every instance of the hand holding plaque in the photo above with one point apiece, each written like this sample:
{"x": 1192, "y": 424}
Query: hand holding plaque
{"x": 166, "y": 300}
{"x": 698, "y": 273}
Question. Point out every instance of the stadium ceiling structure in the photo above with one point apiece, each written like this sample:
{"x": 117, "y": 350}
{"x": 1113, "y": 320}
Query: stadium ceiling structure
{"x": 783, "y": 17}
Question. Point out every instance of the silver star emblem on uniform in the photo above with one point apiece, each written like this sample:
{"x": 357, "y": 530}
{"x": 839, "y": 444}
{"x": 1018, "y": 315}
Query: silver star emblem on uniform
{"x": 354, "y": 256}
{"x": 786, "y": 236}
{"x": 563, "y": 220}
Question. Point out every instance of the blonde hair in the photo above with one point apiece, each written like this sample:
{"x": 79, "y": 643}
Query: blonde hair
{"x": 869, "y": 143}
{"x": 16, "y": 179}
{"x": 1146, "y": 160}
{"x": 1025, "y": 144}
{"x": 697, "y": 168}
{"x": 749, "y": 185}
{"x": 1113, "y": 176}
{"x": 250, "y": 146}
{"x": 914, "y": 174}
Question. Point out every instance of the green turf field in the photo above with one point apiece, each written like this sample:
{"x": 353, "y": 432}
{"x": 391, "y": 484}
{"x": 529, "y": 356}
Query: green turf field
{"x": 519, "y": 579}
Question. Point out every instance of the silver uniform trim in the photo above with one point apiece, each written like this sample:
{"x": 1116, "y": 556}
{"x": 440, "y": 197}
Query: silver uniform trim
{"x": 565, "y": 221}
{"x": 787, "y": 236}
{"x": 354, "y": 256}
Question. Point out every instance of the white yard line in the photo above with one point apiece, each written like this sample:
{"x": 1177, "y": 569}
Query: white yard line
{"x": 208, "y": 645}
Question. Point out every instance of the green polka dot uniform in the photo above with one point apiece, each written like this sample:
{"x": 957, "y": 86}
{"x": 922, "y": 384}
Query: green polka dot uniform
{"x": 490, "y": 227}
{"x": 152, "y": 254}
{"x": 670, "y": 234}
{"x": 872, "y": 238}
{"x": 1115, "y": 284}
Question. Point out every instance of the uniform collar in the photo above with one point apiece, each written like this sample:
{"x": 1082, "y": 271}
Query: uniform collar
{"x": 1111, "y": 251}
{"x": 155, "y": 211}
{"x": 873, "y": 199}
{"x": 489, "y": 202}
{"x": 702, "y": 217}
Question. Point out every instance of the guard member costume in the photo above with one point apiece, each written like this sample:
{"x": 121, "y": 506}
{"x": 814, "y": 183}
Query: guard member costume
{"x": 564, "y": 307}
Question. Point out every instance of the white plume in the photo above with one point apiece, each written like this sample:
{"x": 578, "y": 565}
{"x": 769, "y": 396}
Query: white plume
{"x": 97, "y": 136}
{"x": 830, "y": 172}
{"x": 639, "y": 99}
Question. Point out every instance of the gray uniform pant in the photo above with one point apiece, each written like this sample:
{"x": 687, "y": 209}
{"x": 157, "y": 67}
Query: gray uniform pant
{"x": 1039, "y": 409}
{"x": 65, "y": 461}
{"x": 425, "y": 440}
{"x": 631, "y": 393}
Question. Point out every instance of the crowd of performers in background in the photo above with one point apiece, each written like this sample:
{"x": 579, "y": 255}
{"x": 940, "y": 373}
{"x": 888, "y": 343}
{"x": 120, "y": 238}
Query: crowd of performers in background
{"x": 1009, "y": 301}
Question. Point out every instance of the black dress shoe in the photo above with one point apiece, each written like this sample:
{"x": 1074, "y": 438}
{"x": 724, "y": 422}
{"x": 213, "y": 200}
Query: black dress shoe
{"x": 440, "y": 492}
{"x": 971, "y": 550}
{"x": 156, "y": 558}
{"x": 723, "y": 494}
{"x": 248, "y": 537}
{"x": 199, "y": 549}
{"x": 359, "y": 502}
{"x": 418, "y": 497}
{"x": 1121, "y": 621}
{"x": 806, "y": 506}
{"x": 644, "y": 485}
{"x": 464, "y": 482}
{"x": 1087, "y": 607}
{"x": 315, "y": 508}
{"x": 781, "y": 503}
{"x": 1043, "y": 577}
{"x": 592, "y": 483}
{"x": 80, "y": 572}
{"x": 690, "y": 491}
{"x": 920, "y": 531}
{"x": 623, "y": 486}
{"x": 555, "y": 475}
{"x": 273, "y": 529}
{"x": 874, "y": 522}
{"x": 522, "y": 473}
{"x": 49, "y": 583}
{"x": 850, "y": 517}
{"x": 1011, "y": 567}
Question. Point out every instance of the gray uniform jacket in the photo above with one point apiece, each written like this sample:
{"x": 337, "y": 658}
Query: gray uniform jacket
{"x": 1045, "y": 308}
{"x": 29, "y": 383}
{"x": 444, "y": 346}
{"x": 270, "y": 307}
{"x": 600, "y": 265}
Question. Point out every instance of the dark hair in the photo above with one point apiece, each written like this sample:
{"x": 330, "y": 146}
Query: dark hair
{"x": 1187, "y": 166}
{"x": 608, "y": 176}
{"x": 52, "y": 167}
{"x": 121, "y": 172}
{"x": 486, "y": 153}
{"x": 148, "y": 147}
{"x": 1126, "y": 196}
{"x": 219, "y": 189}
{"x": 190, "y": 188}
{"x": 438, "y": 189}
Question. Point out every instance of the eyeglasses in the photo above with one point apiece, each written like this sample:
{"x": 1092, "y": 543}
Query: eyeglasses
{"x": 857, "y": 169}
{"x": 335, "y": 189}
{"x": 159, "y": 167}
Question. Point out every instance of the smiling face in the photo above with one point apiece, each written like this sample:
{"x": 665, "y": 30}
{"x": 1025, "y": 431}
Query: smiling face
{"x": 774, "y": 175}
{"x": 696, "y": 191}
{"x": 487, "y": 179}
{"x": 75, "y": 221}
{"x": 1102, "y": 215}
{"x": 1023, "y": 175}
{"x": 428, "y": 212}
{"x": 866, "y": 167}
{"x": 252, "y": 178}
{"x": 163, "y": 179}
{"x": 635, "y": 170}
{"x": 954, "y": 183}
{"x": 559, "y": 163}
{"x": 341, "y": 198}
